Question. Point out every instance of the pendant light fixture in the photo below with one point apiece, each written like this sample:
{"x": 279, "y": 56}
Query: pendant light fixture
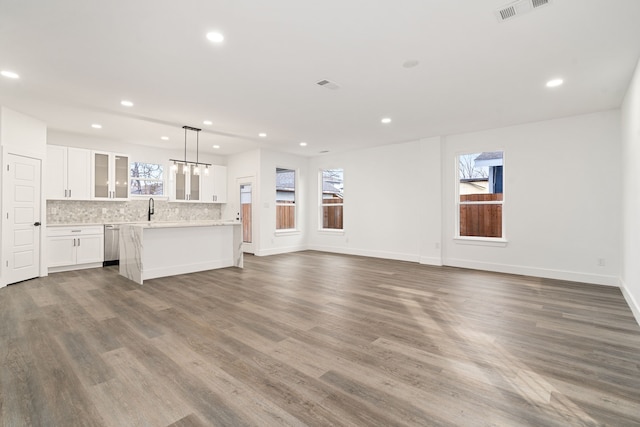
{"x": 187, "y": 164}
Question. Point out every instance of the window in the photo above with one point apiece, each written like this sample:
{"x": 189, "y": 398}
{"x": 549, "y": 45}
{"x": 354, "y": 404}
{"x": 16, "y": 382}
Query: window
{"x": 331, "y": 199}
{"x": 480, "y": 194}
{"x": 146, "y": 179}
{"x": 285, "y": 199}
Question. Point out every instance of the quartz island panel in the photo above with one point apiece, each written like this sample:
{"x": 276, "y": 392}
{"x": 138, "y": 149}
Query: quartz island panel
{"x": 161, "y": 249}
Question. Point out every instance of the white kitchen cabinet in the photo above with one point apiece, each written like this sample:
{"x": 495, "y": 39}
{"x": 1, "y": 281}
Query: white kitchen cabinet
{"x": 68, "y": 173}
{"x": 110, "y": 176}
{"x": 71, "y": 248}
{"x": 214, "y": 186}
{"x": 186, "y": 186}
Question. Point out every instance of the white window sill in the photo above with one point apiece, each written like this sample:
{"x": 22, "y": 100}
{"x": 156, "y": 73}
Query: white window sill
{"x": 288, "y": 232}
{"x": 482, "y": 241}
{"x": 331, "y": 231}
{"x": 147, "y": 197}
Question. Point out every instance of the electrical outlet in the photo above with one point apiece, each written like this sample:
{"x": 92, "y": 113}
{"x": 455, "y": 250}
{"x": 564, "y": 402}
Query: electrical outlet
{"x": 602, "y": 262}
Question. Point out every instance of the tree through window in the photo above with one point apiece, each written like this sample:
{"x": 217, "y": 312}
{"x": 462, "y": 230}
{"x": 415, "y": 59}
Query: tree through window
{"x": 146, "y": 179}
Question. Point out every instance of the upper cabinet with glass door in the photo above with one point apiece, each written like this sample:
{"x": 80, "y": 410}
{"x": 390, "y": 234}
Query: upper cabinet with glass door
{"x": 110, "y": 176}
{"x": 186, "y": 184}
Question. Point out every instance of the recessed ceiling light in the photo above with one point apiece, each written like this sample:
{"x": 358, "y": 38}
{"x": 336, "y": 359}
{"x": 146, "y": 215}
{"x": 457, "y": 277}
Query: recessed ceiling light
{"x": 207, "y": 122}
{"x": 164, "y": 138}
{"x": 9, "y": 74}
{"x": 555, "y": 83}
{"x": 262, "y": 135}
{"x": 126, "y": 103}
{"x": 216, "y": 146}
{"x": 96, "y": 126}
{"x": 410, "y": 63}
{"x": 215, "y": 37}
{"x": 386, "y": 120}
{"x": 303, "y": 144}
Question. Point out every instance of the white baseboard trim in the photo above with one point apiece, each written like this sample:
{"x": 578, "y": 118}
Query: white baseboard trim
{"x": 631, "y": 301}
{"x": 278, "y": 251}
{"x": 573, "y": 276}
{"x": 74, "y": 267}
{"x": 398, "y": 256}
{"x": 437, "y": 261}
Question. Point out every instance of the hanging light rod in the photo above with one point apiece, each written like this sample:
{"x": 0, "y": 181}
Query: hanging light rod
{"x": 186, "y": 162}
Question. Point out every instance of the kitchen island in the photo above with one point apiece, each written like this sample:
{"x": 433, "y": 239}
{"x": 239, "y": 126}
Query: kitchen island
{"x": 160, "y": 249}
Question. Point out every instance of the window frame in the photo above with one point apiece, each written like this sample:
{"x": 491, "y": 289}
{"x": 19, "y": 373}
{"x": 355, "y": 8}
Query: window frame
{"x": 295, "y": 202}
{"x": 164, "y": 195}
{"x": 322, "y": 205}
{"x": 480, "y": 240}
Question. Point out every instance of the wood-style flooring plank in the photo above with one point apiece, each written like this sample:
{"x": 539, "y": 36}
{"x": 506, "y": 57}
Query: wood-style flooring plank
{"x": 316, "y": 339}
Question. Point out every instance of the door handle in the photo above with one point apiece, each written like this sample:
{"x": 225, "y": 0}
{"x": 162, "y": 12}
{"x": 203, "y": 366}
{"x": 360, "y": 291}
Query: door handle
{"x": 37, "y": 223}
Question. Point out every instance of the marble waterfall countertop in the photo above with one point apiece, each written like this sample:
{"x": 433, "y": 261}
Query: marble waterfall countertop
{"x": 180, "y": 224}
{"x": 159, "y": 249}
{"x": 154, "y": 224}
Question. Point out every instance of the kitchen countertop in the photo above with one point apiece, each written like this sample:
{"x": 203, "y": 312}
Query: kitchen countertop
{"x": 153, "y": 224}
{"x": 180, "y": 224}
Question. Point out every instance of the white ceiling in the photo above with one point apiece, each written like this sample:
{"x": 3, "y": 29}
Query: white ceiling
{"x": 79, "y": 58}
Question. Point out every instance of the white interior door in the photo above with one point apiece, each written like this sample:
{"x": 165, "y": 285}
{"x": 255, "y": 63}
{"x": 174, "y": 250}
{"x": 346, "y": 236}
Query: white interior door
{"x": 246, "y": 187}
{"x": 21, "y": 218}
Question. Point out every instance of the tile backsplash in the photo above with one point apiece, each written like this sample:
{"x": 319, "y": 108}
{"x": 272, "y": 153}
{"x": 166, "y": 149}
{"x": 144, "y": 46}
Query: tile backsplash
{"x": 79, "y": 212}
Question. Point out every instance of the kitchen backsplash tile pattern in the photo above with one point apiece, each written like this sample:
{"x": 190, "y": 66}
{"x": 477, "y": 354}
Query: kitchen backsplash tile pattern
{"x": 83, "y": 212}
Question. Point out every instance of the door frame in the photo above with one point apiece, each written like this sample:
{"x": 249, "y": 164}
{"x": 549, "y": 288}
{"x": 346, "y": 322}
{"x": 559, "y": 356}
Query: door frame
{"x": 249, "y": 180}
{"x": 4, "y": 229}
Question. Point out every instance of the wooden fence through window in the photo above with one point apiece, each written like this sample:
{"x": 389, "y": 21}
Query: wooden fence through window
{"x": 481, "y": 220}
{"x": 332, "y": 215}
{"x": 246, "y": 222}
{"x": 285, "y": 216}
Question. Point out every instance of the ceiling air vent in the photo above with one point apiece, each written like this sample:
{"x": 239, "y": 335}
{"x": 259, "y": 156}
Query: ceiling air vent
{"x": 538, "y": 3}
{"x": 328, "y": 84}
{"x": 518, "y": 8}
{"x": 507, "y": 12}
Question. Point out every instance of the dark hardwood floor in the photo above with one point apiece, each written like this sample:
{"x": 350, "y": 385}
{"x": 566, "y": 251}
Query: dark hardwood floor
{"x": 317, "y": 339}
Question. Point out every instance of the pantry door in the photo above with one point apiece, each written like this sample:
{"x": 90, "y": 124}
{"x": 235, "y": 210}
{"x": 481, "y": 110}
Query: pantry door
{"x": 21, "y": 218}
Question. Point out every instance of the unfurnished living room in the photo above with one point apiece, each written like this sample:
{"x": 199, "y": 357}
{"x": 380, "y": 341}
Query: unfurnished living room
{"x": 357, "y": 213}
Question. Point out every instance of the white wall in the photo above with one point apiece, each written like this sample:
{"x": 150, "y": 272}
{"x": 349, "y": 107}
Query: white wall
{"x": 270, "y": 241}
{"x": 23, "y": 132}
{"x": 562, "y": 199}
{"x": 392, "y": 202}
{"x": 242, "y": 165}
{"x": 630, "y": 271}
{"x": 25, "y": 136}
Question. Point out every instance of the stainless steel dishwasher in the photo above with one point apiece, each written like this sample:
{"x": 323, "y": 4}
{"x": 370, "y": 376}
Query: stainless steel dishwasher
{"x": 111, "y": 245}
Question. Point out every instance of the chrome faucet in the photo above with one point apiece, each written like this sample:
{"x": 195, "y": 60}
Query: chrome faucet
{"x": 151, "y": 208}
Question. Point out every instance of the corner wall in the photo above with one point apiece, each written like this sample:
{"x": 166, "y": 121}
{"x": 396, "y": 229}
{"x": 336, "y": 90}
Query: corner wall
{"x": 271, "y": 241}
{"x": 392, "y": 202}
{"x": 562, "y": 198}
{"x": 630, "y": 270}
